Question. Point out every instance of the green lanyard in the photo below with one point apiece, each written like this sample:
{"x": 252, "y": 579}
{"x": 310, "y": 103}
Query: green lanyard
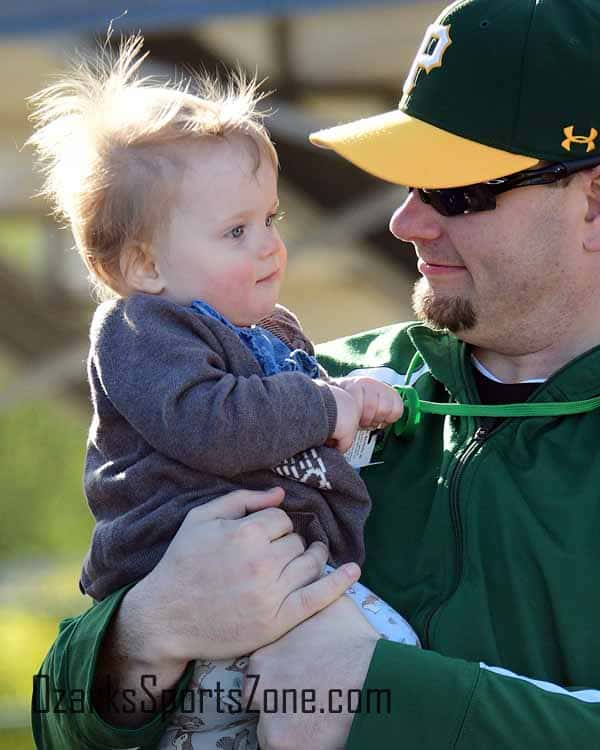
{"x": 414, "y": 407}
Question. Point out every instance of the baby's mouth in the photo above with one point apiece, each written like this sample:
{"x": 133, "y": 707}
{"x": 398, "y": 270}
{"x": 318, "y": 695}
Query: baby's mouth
{"x": 271, "y": 277}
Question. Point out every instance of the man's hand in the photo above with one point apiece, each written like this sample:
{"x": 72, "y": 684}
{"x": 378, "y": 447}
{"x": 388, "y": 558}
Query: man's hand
{"x": 228, "y": 584}
{"x": 378, "y": 404}
{"x": 330, "y": 654}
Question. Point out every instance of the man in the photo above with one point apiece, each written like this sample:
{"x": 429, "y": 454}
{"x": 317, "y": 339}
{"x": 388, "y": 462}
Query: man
{"x": 484, "y": 531}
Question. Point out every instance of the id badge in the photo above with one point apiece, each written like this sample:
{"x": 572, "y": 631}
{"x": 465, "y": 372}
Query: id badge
{"x": 367, "y": 448}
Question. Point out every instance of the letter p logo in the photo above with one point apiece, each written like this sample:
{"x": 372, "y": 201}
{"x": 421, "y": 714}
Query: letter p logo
{"x": 427, "y": 58}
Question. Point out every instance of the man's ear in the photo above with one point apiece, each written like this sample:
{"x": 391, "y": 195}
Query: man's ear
{"x": 139, "y": 268}
{"x": 592, "y": 218}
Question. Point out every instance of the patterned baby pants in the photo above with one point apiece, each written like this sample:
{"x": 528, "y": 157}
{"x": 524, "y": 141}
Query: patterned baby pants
{"x": 211, "y": 715}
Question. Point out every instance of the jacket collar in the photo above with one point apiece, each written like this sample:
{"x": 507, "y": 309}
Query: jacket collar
{"x": 448, "y": 360}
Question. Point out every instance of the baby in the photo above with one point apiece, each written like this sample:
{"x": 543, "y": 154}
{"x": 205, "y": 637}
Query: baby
{"x": 200, "y": 382}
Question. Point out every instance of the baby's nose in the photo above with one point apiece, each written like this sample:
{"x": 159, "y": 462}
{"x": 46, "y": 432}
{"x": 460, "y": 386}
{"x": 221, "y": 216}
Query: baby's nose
{"x": 270, "y": 246}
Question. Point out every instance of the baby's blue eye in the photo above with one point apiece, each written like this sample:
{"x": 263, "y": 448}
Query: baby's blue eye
{"x": 237, "y": 232}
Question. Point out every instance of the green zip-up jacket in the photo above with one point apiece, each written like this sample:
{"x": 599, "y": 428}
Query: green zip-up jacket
{"x": 487, "y": 541}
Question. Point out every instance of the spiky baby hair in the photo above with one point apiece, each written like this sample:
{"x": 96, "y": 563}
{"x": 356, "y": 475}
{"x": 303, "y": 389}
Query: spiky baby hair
{"x": 109, "y": 143}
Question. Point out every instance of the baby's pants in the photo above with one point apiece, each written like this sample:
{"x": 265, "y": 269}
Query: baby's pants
{"x": 212, "y": 715}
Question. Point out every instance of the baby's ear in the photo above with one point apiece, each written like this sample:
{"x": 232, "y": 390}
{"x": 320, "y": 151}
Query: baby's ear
{"x": 139, "y": 268}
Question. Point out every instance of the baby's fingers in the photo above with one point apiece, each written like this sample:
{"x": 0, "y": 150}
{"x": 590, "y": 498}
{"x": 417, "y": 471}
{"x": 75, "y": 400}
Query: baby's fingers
{"x": 371, "y": 408}
{"x": 390, "y": 408}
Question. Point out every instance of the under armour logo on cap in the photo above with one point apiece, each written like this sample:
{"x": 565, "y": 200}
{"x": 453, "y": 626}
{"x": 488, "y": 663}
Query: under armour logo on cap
{"x": 587, "y": 139}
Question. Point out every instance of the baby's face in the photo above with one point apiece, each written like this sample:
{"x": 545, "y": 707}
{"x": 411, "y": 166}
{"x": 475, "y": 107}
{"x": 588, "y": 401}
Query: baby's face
{"x": 222, "y": 245}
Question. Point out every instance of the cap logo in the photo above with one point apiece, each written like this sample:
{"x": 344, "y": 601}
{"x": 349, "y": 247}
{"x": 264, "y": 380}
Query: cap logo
{"x": 590, "y": 139}
{"x": 428, "y": 58}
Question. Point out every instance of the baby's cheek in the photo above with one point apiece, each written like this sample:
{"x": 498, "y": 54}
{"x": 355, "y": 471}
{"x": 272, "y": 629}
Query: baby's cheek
{"x": 242, "y": 276}
{"x": 235, "y": 283}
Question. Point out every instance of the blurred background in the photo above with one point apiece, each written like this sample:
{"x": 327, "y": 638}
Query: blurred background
{"x": 329, "y": 62}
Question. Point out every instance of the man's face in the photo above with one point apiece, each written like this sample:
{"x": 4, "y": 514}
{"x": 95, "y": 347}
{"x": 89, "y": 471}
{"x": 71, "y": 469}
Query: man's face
{"x": 509, "y": 278}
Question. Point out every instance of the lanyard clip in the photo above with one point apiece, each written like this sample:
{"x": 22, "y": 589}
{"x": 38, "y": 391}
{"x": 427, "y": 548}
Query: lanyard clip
{"x": 411, "y": 416}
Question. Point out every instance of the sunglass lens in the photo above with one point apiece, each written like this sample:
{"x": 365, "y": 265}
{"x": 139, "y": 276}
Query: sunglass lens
{"x": 457, "y": 201}
{"x": 450, "y": 202}
{"x": 479, "y": 198}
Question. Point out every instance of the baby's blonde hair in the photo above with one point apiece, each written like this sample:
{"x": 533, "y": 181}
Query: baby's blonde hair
{"x": 105, "y": 138}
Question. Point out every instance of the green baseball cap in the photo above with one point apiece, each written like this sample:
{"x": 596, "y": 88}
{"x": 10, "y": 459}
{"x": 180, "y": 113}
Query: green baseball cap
{"x": 496, "y": 87}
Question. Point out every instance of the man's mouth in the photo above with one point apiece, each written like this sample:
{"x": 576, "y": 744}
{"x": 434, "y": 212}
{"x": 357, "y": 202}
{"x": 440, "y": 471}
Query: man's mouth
{"x": 428, "y": 268}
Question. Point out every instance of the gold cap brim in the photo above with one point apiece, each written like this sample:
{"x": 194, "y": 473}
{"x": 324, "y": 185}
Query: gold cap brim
{"x": 404, "y": 150}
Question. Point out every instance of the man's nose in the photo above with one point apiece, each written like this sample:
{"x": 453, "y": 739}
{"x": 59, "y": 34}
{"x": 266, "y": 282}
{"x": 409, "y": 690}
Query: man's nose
{"x": 415, "y": 220}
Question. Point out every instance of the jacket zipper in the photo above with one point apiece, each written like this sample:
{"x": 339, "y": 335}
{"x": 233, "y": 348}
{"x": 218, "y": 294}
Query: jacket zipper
{"x": 479, "y": 437}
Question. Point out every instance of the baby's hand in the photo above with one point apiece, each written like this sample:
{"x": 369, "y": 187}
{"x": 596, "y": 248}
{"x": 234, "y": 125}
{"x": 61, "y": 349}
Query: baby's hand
{"x": 348, "y": 417}
{"x": 379, "y": 404}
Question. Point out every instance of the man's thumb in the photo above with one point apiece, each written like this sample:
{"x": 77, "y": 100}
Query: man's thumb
{"x": 238, "y": 504}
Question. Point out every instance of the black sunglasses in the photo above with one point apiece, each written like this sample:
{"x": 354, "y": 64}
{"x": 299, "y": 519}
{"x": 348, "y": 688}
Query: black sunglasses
{"x": 482, "y": 196}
